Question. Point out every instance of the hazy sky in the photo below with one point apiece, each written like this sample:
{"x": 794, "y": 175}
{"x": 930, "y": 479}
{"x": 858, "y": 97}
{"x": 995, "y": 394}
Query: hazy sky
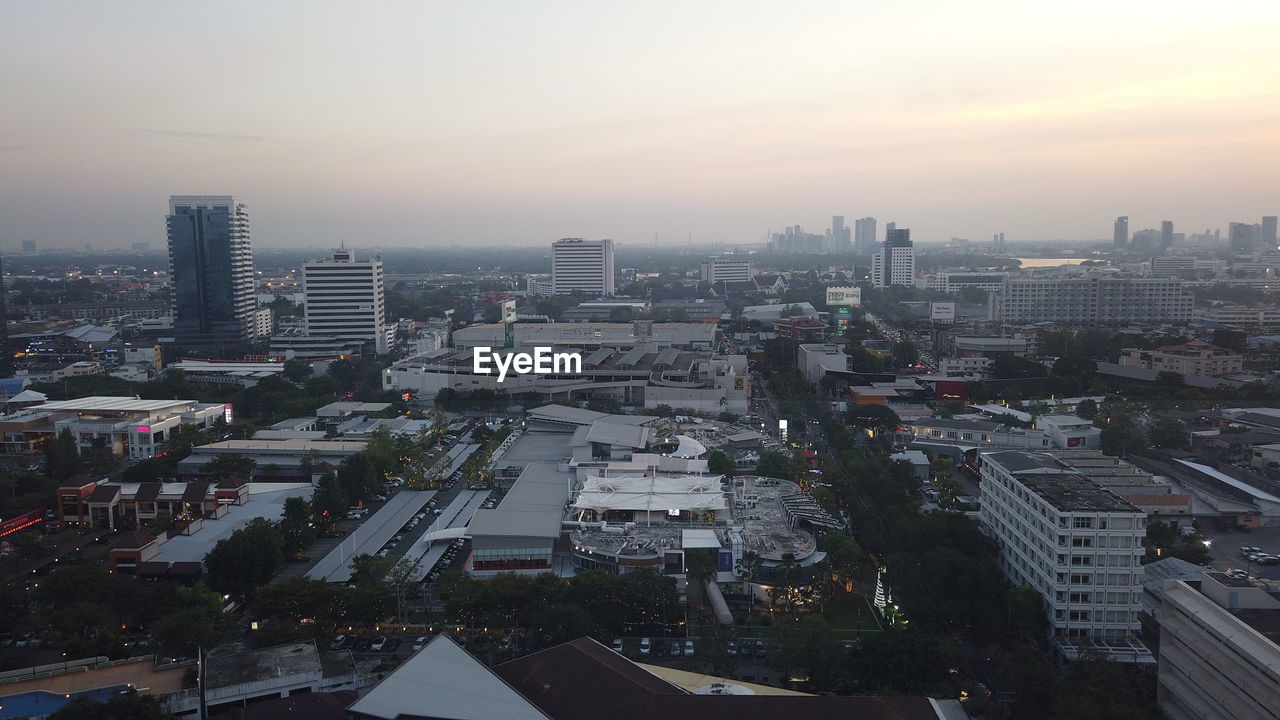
{"x": 422, "y": 123}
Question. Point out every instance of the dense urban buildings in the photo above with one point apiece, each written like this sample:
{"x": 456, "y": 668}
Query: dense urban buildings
{"x": 585, "y": 266}
{"x": 211, "y": 267}
{"x": 345, "y": 299}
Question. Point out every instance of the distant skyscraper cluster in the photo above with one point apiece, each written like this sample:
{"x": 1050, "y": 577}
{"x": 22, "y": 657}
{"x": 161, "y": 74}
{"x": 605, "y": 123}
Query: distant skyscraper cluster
{"x": 1243, "y": 238}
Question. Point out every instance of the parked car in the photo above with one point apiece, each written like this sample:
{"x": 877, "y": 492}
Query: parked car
{"x": 688, "y": 648}
{"x": 363, "y": 643}
{"x": 392, "y": 645}
{"x": 659, "y": 649}
{"x": 732, "y": 649}
{"x": 1247, "y": 550}
{"x": 1265, "y": 559}
{"x": 617, "y": 645}
{"x": 338, "y": 642}
{"x": 761, "y": 649}
{"x": 645, "y": 646}
{"x": 419, "y": 643}
{"x": 675, "y": 648}
{"x": 379, "y": 643}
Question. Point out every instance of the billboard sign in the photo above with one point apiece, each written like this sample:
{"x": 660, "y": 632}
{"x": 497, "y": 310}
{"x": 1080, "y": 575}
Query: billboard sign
{"x": 508, "y": 311}
{"x": 849, "y": 296}
{"x": 943, "y": 312}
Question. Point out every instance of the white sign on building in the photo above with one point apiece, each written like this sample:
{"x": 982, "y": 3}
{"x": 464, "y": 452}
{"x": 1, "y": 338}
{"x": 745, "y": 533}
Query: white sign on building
{"x": 851, "y": 296}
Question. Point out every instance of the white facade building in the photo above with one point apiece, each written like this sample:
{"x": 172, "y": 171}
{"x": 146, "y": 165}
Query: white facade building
{"x": 579, "y": 265}
{"x": 345, "y": 299}
{"x": 1093, "y": 300}
{"x": 894, "y": 263}
{"x": 719, "y": 269}
{"x": 1079, "y": 545}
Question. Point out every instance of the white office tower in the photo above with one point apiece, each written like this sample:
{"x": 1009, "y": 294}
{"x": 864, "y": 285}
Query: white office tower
{"x": 345, "y": 299}
{"x": 894, "y": 263}
{"x": 579, "y": 265}
{"x": 1076, "y": 543}
{"x": 721, "y": 269}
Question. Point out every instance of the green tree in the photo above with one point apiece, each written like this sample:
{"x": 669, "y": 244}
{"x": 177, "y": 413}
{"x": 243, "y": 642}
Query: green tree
{"x": 807, "y": 648}
{"x": 62, "y": 456}
{"x": 1167, "y": 432}
{"x": 905, "y": 354}
{"x": 222, "y": 467}
{"x": 1011, "y": 367}
{"x": 357, "y": 476}
{"x": 720, "y": 463}
{"x": 775, "y": 465}
{"x": 329, "y": 502}
{"x": 296, "y": 528}
{"x": 247, "y": 559}
{"x": 1087, "y": 408}
{"x": 297, "y": 370}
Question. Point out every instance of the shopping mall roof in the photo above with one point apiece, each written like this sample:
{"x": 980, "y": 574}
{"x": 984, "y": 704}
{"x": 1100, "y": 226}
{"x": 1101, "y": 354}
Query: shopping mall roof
{"x": 649, "y": 493}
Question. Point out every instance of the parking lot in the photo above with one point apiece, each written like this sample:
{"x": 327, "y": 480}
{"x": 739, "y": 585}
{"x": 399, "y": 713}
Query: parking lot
{"x": 1225, "y": 547}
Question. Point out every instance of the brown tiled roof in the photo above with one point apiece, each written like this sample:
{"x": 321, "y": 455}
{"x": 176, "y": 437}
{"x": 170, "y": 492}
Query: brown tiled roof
{"x": 135, "y": 540}
{"x": 195, "y": 492}
{"x": 147, "y": 492}
{"x": 104, "y": 493}
{"x": 583, "y": 680}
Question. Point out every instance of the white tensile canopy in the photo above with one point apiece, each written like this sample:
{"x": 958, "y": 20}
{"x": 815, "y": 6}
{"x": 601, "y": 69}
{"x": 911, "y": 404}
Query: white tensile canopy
{"x": 652, "y": 494}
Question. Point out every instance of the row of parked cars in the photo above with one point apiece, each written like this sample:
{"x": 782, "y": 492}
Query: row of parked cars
{"x": 445, "y": 560}
{"x": 1257, "y": 556}
{"x": 373, "y": 643}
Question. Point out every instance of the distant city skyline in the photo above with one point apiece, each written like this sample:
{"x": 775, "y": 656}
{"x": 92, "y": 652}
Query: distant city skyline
{"x": 411, "y": 124}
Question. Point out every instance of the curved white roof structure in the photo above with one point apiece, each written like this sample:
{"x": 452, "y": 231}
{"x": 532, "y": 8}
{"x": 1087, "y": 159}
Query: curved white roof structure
{"x": 642, "y": 492}
{"x": 689, "y": 448}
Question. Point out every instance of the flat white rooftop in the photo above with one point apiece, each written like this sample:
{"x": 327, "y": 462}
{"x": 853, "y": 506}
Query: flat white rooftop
{"x": 107, "y": 402}
{"x": 268, "y": 504}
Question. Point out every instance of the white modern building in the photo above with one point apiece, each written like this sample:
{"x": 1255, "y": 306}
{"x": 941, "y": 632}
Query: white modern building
{"x": 1219, "y": 657}
{"x": 579, "y": 265}
{"x": 1076, "y": 543}
{"x": 894, "y": 263}
{"x": 724, "y": 269}
{"x": 950, "y": 282}
{"x": 345, "y": 299}
{"x": 815, "y": 360}
{"x": 1093, "y": 300}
